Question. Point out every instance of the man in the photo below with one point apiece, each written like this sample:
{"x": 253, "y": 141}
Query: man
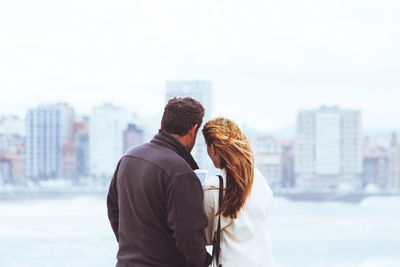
{"x": 155, "y": 200}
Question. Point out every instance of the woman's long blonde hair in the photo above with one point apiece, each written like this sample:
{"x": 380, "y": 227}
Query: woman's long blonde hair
{"x": 236, "y": 158}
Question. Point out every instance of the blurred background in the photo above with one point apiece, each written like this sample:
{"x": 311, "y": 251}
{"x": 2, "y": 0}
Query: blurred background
{"x": 314, "y": 85}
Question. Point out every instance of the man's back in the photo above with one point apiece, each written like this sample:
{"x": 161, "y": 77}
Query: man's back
{"x": 155, "y": 206}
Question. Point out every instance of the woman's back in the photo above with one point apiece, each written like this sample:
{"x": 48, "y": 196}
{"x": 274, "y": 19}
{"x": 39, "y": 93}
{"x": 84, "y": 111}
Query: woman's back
{"x": 245, "y": 241}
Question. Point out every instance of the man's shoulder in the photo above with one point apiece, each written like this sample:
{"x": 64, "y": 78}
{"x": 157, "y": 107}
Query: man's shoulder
{"x": 163, "y": 157}
{"x": 138, "y": 149}
{"x": 153, "y": 152}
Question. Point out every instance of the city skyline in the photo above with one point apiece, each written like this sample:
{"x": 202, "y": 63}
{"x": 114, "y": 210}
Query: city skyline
{"x": 328, "y": 151}
{"x": 286, "y": 131}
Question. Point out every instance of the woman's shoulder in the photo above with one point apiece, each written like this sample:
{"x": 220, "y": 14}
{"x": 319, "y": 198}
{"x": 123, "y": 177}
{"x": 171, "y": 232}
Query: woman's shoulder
{"x": 211, "y": 181}
{"x": 210, "y": 191}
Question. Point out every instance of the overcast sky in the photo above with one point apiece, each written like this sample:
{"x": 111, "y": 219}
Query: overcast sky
{"x": 266, "y": 59}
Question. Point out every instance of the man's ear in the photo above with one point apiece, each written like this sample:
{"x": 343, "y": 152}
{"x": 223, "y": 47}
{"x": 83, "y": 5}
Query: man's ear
{"x": 193, "y": 130}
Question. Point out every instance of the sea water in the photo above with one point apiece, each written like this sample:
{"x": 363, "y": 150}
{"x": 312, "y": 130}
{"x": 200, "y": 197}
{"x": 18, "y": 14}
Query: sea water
{"x": 74, "y": 231}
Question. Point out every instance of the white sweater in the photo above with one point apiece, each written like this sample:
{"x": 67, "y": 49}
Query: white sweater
{"x": 245, "y": 241}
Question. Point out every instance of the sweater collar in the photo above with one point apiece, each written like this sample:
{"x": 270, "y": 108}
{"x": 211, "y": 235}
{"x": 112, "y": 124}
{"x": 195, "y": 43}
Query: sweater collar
{"x": 165, "y": 139}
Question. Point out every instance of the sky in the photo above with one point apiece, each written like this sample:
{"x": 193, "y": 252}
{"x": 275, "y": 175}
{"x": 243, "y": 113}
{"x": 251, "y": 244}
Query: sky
{"x": 266, "y": 59}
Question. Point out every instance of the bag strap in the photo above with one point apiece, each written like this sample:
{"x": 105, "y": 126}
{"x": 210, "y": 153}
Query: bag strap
{"x": 217, "y": 237}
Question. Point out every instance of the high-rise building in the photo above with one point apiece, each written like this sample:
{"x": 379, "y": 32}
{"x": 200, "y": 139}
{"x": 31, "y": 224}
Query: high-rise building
{"x": 375, "y": 167}
{"x": 268, "y": 159}
{"x": 69, "y": 161}
{"x": 48, "y": 127}
{"x": 106, "y": 138}
{"x": 5, "y": 170}
{"x": 133, "y": 136}
{"x": 382, "y": 164}
{"x": 201, "y": 91}
{"x": 12, "y": 150}
{"x": 287, "y": 164}
{"x": 3, "y": 143}
{"x": 328, "y": 148}
{"x": 81, "y": 138}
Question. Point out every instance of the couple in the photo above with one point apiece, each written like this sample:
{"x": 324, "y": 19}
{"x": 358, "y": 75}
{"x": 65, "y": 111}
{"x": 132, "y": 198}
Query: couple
{"x": 159, "y": 212}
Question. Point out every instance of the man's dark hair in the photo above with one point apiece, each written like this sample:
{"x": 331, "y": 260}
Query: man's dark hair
{"x": 181, "y": 114}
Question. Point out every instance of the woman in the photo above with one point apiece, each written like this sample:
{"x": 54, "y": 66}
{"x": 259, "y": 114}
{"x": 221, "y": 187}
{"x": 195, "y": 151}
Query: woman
{"x": 245, "y": 240}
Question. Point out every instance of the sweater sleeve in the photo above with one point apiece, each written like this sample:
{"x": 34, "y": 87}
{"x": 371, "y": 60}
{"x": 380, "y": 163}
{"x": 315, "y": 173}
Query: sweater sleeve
{"x": 112, "y": 204}
{"x": 186, "y": 218}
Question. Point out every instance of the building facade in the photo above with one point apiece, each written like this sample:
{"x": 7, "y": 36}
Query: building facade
{"x": 69, "y": 161}
{"x": 328, "y": 148}
{"x": 81, "y": 141}
{"x": 376, "y": 167}
{"x": 288, "y": 179}
{"x": 48, "y": 127}
{"x": 106, "y": 139}
{"x": 133, "y": 136}
{"x": 394, "y": 164}
{"x": 12, "y": 150}
{"x": 268, "y": 159}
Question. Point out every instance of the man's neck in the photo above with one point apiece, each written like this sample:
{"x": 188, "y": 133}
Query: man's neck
{"x": 181, "y": 139}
